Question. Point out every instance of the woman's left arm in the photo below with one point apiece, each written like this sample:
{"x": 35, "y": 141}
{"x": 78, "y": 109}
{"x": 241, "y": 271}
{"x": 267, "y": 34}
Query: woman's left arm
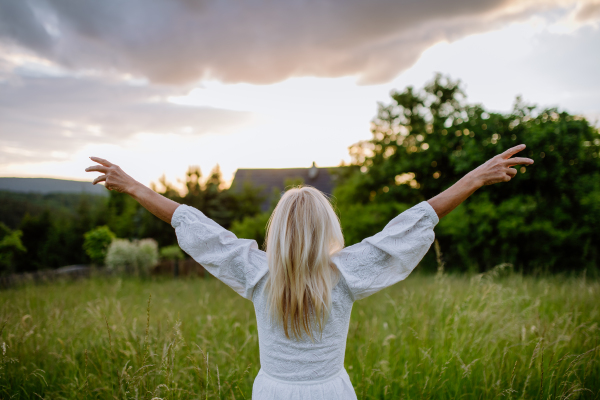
{"x": 115, "y": 178}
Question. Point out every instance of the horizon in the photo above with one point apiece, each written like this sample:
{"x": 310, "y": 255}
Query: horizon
{"x": 226, "y": 183}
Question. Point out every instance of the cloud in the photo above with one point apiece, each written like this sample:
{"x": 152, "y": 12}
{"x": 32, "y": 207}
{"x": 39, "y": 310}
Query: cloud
{"x": 255, "y": 41}
{"x": 49, "y": 117}
{"x": 588, "y": 12}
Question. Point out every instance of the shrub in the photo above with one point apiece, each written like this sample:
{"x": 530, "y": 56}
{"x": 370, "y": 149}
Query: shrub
{"x": 147, "y": 255}
{"x": 10, "y": 246}
{"x": 252, "y": 227}
{"x": 171, "y": 253}
{"x": 120, "y": 255}
{"x": 96, "y": 243}
{"x": 135, "y": 257}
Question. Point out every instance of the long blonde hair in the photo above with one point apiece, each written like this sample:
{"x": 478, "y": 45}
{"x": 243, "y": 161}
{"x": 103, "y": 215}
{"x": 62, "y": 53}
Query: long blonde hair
{"x": 302, "y": 234}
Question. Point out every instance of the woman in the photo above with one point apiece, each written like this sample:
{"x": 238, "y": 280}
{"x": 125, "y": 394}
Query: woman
{"x": 304, "y": 286}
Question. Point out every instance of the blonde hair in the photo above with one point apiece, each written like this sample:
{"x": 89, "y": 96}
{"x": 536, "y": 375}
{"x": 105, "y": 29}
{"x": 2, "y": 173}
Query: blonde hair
{"x": 302, "y": 234}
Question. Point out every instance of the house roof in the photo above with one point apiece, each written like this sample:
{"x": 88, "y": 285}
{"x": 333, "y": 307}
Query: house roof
{"x": 269, "y": 179}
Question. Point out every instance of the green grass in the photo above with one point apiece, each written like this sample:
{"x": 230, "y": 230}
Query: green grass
{"x": 449, "y": 337}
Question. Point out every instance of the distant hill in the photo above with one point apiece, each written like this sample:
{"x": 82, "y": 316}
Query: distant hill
{"x": 47, "y": 185}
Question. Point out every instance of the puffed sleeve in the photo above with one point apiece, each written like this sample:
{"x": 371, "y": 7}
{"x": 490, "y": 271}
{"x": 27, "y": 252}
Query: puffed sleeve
{"x": 236, "y": 262}
{"x": 390, "y": 256}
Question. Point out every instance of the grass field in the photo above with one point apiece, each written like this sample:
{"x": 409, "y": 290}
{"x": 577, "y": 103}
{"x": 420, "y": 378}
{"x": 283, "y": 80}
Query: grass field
{"x": 448, "y": 337}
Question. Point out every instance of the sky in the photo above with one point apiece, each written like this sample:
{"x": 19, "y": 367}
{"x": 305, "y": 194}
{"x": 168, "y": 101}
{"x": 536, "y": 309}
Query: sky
{"x": 158, "y": 86}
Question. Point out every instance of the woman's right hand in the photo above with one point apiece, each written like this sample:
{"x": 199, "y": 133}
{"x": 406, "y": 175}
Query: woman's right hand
{"x": 114, "y": 177}
{"x": 498, "y": 169}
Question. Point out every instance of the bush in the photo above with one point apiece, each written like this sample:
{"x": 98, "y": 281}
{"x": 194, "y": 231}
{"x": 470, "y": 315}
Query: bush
{"x": 252, "y": 227}
{"x": 134, "y": 258}
{"x": 10, "y": 246}
{"x": 96, "y": 243}
{"x": 171, "y": 253}
{"x": 147, "y": 255}
{"x": 120, "y": 255}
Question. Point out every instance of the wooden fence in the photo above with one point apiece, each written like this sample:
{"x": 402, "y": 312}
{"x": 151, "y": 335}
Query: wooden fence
{"x": 186, "y": 267}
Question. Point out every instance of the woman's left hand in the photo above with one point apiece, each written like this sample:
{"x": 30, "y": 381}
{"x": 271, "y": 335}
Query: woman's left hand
{"x": 498, "y": 169}
{"x": 114, "y": 177}
{"x": 495, "y": 170}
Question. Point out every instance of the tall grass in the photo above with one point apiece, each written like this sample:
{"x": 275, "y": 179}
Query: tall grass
{"x": 444, "y": 337}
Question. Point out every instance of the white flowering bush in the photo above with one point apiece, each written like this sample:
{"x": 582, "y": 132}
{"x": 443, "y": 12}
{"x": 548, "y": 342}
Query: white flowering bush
{"x": 147, "y": 255}
{"x": 120, "y": 255}
{"x": 137, "y": 257}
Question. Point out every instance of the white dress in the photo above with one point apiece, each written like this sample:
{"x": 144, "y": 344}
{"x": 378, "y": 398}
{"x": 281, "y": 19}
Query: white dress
{"x": 292, "y": 369}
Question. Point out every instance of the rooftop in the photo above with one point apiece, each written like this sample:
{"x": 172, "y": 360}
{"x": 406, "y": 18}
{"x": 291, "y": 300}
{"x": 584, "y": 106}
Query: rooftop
{"x": 270, "y": 179}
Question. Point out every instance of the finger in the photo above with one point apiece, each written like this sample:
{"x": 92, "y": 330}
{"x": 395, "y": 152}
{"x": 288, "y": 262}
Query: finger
{"x": 101, "y": 178}
{"x": 512, "y": 151}
{"x": 97, "y": 168}
{"x": 102, "y": 161}
{"x": 518, "y": 160}
{"x": 511, "y": 172}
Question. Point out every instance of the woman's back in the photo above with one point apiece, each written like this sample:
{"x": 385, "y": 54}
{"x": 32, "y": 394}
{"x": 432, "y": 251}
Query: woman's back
{"x": 301, "y": 368}
{"x": 314, "y": 368}
{"x": 304, "y": 359}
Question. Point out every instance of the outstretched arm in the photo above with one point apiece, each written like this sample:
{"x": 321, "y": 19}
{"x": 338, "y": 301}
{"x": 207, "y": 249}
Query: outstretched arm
{"x": 116, "y": 179}
{"x": 495, "y": 170}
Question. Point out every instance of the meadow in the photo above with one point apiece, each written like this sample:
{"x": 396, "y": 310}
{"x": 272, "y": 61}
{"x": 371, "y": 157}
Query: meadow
{"x": 429, "y": 337}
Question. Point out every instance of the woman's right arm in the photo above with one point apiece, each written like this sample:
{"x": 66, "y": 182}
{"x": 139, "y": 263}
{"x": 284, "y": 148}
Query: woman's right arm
{"x": 495, "y": 170}
{"x": 236, "y": 262}
{"x": 115, "y": 178}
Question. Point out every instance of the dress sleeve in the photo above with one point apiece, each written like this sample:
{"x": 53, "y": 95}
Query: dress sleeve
{"x": 236, "y": 262}
{"x": 390, "y": 256}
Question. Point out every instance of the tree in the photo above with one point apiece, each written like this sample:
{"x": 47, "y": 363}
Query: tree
{"x": 171, "y": 253}
{"x": 96, "y": 243}
{"x": 245, "y": 201}
{"x": 424, "y": 141}
{"x": 39, "y": 240}
{"x": 254, "y": 226}
{"x": 10, "y": 246}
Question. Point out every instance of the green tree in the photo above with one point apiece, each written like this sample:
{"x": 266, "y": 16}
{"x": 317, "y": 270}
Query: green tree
{"x": 424, "y": 141}
{"x": 171, "y": 253}
{"x": 254, "y": 226}
{"x": 10, "y": 246}
{"x": 124, "y": 216}
{"x": 245, "y": 201}
{"x": 38, "y": 239}
{"x": 96, "y": 243}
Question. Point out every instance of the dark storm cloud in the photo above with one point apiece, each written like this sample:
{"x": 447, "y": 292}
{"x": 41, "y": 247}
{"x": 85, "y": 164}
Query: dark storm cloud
{"x": 258, "y": 41}
{"x": 42, "y": 115}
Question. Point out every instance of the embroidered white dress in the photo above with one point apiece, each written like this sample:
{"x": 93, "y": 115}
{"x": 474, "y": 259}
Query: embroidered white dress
{"x": 292, "y": 369}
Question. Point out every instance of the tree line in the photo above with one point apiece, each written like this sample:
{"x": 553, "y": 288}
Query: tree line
{"x": 423, "y": 141}
{"x": 48, "y": 231}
